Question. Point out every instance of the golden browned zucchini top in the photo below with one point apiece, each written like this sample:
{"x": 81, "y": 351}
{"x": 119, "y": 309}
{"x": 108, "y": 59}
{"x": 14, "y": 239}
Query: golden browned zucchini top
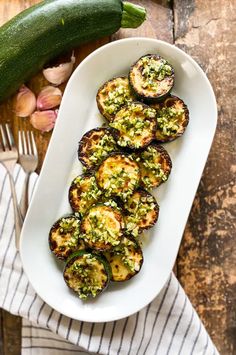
{"x": 155, "y": 166}
{"x": 83, "y": 193}
{"x": 95, "y": 145}
{"x": 125, "y": 260}
{"x": 135, "y": 125}
{"x": 64, "y": 237}
{"x": 114, "y": 94}
{"x": 87, "y": 274}
{"x": 118, "y": 175}
{"x": 102, "y": 227}
{"x": 142, "y": 212}
{"x": 172, "y": 118}
{"x": 151, "y": 77}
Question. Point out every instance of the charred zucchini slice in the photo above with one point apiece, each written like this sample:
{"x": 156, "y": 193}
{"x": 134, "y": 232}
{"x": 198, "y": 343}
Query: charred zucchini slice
{"x": 87, "y": 274}
{"x": 102, "y": 227}
{"x": 95, "y": 145}
{"x": 114, "y": 94}
{"x": 172, "y": 118}
{"x": 83, "y": 193}
{"x": 135, "y": 125}
{"x": 64, "y": 237}
{"x": 142, "y": 212}
{"x": 151, "y": 77}
{"x": 118, "y": 175}
{"x": 125, "y": 260}
{"x": 155, "y": 166}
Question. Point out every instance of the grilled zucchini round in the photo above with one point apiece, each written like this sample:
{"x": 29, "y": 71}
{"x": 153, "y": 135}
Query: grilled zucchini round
{"x": 118, "y": 175}
{"x": 102, "y": 227}
{"x": 113, "y": 95}
{"x": 95, "y": 145}
{"x": 155, "y": 166}
{"x": 142, "y": 212}
{"x": 125, "y": 260}
{"x": 87, "y": 274}
{"x": 151, "y": 77}
{"x": 64, "y": 237}
{"x": 172, "y": 118}
{"x": 134, "y": 126}
{"x": 83, "y": 193}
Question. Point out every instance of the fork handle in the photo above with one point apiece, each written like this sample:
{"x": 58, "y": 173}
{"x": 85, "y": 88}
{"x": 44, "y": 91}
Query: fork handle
{"x": 17, "y": 215}
{"x": 24, "y": 202}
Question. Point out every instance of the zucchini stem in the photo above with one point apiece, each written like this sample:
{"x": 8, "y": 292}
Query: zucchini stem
{"x": 133, "y": 15}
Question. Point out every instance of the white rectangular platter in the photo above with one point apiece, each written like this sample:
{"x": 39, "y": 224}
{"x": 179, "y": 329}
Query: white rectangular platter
{"x": 79, "y": 113}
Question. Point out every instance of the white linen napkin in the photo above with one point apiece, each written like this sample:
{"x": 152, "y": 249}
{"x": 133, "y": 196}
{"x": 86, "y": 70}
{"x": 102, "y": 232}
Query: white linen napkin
{"x": 167, "y": 326}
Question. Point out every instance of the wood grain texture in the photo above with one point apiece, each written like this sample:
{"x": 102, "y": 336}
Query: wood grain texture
{"x": 10, "y": 343}
{"x": 207, "y": 258}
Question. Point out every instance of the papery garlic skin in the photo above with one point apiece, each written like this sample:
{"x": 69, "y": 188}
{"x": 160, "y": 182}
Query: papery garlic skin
{"x": 49, "y": 97}
{"x": 25, "y": 102}
{"x": 58, "y": 75}
{"x": 44, "y": 120}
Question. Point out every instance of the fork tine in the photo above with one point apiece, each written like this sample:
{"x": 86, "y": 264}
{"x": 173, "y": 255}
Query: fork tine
{"x": 34, "y": 148}
{"x": 20, "y": 147}
{"x": 24, "y": 143}
{"x": 10, "y": 137}
{"x": 29, "y": 143}
{"x": 4, "y": 141}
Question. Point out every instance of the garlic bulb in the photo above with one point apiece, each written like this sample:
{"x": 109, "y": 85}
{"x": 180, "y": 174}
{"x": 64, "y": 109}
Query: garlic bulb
{"x": 58, "y": 75}
{"x": 49, "y": 97}
{"x": 25, "y": 102}
{"x": 44, "y": 120}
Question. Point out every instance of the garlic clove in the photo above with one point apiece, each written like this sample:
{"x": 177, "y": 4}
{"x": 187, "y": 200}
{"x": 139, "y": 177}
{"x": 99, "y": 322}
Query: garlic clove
{"x": 49, "y": 97}
{"x": 58, "y": 75}
{"x": 25, "y": 102}
{"x": 44, "y": 120}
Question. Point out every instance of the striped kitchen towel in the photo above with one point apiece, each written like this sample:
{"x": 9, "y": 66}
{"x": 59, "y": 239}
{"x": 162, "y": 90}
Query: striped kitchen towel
{"x": 168, "y": 325}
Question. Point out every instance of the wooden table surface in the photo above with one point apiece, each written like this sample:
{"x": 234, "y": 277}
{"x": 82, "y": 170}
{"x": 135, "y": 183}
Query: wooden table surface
{"x": 206, "y": 264}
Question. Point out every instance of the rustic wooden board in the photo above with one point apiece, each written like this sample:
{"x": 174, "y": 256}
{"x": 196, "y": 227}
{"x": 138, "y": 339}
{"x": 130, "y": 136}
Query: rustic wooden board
{"x": 205, "y": 30}
{"x": 207, "y": 258}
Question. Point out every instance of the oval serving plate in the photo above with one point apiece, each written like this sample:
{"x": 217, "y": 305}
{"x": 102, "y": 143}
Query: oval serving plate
{"x": 79, "y": 113}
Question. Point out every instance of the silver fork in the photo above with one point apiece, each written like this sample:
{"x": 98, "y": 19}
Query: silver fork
{"x": 8, "y": 158}
{"x": 28, "y": 159}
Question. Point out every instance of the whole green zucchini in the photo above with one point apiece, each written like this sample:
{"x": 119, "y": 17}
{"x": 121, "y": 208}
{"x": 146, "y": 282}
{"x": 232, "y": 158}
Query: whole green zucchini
{"x": 42, "y": 32}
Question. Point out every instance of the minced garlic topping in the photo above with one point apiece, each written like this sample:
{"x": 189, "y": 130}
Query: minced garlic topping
{"x": 138, "y": 207}
{"x": 128, "y": 254}
{"x": 168, "y": 119}
{"x": 69, "y": 226}
{"x": 116, "y": 98}
{"x": 102, "y": 226}
{"x": 85, "y": 194}
{"x": 118, "y": 175}
{"x": 105, "y": 145}
{"x": 149, "y": 159}
{"x": 134, "y": 125}
{"x": 84, "y": 276}
{"x": 154, "y": 70}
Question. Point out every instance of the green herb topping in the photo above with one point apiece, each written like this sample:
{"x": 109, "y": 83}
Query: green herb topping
{"x": 84, "y": 192}
{"x": 134, "y": 124}
{"x": 84, "y": 279}
{"x": 116, "y": 98}
{"x": 102, "y": 148}
{"x": 101, "y": 226}
{"x": 154, "y": 70}
{"x": 138, "y": 207}
{"x": 168, "y": 119}
{"x": 69, "y": 226}
{"x": 127, "y": 253}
